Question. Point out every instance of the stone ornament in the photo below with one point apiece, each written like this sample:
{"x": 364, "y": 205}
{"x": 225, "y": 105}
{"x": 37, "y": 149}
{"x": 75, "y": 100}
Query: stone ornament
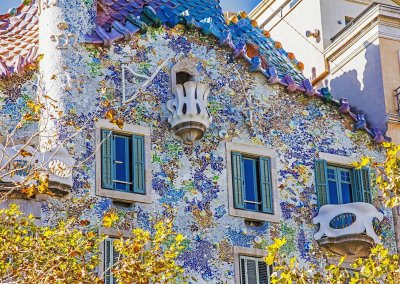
{"x": 190, "y": 118}
{"x": 21, "y": 159}
{"x": 364, "y": 215}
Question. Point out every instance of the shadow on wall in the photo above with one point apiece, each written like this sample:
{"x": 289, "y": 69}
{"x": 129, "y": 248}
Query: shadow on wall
{"x": 367, "y": 98}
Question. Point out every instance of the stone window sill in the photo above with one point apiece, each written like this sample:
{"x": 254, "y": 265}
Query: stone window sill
{"x": 124, "y": 196}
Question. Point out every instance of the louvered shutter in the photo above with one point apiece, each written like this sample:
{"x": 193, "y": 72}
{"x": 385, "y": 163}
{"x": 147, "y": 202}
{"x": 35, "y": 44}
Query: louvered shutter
{"x": 266, "y": 185}
{"x": 263, "y": 272}
{"x": 115, "y": 257}
{"x": 321, "y": 182}
{"x": 251, "y": 265}
{"x": 108, "y": 257}
{"x": 238, "y": 180}
{"x": 138, "y": 164}
{"x": 366, "y": 182}
{"x": 107, "y": 160}
{"x": 358, "y": 191}
{"x": 243, "y": 270}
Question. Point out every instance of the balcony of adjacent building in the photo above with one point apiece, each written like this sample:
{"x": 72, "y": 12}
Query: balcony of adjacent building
{"x": 22, "y": 165}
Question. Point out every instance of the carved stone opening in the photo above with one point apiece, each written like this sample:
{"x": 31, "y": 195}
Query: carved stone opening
{"x": 184, "y": 71}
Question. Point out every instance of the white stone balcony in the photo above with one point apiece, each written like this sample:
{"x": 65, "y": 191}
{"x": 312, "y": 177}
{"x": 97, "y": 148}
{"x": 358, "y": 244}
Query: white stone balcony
{"x": 348, "y": 229}
{"x": 19, "y": 162}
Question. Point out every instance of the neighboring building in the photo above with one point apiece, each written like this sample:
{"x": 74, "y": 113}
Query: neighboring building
{"x": 352, "y": 47}
{"x": 218, "y": 129}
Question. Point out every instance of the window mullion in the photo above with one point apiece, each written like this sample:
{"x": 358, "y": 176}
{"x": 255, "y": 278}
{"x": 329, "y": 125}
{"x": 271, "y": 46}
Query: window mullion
{"x": 255, "y": 184}
{"x": 339, "y": 185}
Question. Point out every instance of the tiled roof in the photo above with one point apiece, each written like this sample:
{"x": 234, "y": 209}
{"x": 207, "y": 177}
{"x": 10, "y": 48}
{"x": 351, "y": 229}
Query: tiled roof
{"x": 19, "y": 38}
{"x": 121, "y": 19}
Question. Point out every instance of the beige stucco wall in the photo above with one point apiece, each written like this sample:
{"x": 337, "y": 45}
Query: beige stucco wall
{"x": 291, "y": 31}
{"x": 334, "y": 11}
{"x": 389, "y": 49}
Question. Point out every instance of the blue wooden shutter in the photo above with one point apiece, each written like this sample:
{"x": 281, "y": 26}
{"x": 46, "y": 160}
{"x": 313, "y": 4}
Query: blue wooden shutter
{"x": 238, "y": 180}
{"x": 266, "y": 186}
{"x": 321, "y": 182}
{"x": 362, "y": 185}
{"x": 107, "y": 160}
{"x": 108, "y": 249}
{"x": 138, "y": 164}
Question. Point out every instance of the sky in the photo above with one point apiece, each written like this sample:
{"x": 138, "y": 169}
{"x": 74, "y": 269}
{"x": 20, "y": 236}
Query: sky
{"x": 227, "y": 5}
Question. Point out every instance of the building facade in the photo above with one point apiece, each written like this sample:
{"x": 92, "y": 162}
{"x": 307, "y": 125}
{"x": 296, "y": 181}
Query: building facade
{"x": 161, "y": 109}
{"x": 350, "y": 46}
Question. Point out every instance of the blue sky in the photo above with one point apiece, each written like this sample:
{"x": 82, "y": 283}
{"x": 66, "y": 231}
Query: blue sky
{"x": 227, "y": 5}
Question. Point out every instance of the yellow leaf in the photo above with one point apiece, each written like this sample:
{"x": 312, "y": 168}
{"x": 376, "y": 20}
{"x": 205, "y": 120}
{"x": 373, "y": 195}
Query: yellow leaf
{"x": 109, "y": 219}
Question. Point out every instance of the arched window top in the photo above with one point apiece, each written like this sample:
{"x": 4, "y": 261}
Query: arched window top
{"x": 185, "y": 70}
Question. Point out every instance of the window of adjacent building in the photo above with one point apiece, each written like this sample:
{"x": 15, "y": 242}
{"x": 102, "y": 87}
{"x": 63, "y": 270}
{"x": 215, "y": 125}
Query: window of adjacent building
{"x": 348, "y": 20}
{"x": 341, "y": 185}
{"x": 252, "y": 186}
{"x": 294, "y": 2}
{"x": 254, "y": 270}
{"x": 111, "y": 256}
{"x": 123, "y": 162}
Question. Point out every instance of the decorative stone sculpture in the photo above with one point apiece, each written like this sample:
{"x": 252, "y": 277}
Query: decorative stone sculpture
{"x": 190, "y": 117}
{"x": 57, "y": 163}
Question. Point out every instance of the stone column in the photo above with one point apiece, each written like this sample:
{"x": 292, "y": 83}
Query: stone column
{"x": 396, "y": 223}
{"x": 62, "y": 25}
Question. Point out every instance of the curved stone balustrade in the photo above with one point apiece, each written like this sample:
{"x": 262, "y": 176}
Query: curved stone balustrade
{"x": 364, "y": 215}
{"x": 56, "y": 162}
{"x": 190, "y": 118}
{"x": 348, "y": 229}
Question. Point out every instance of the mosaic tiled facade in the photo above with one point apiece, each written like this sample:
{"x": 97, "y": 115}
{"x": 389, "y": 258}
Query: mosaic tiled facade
{"x": 254, "y": 99}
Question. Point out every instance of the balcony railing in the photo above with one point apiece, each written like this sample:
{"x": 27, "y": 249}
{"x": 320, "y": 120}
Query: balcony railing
{"x": 397, "y": 94}
{"x": 18, "y": 163}
{"x": 348, "y": 229}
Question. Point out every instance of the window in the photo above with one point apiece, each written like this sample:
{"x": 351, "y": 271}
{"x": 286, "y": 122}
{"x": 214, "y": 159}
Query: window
{"x": 294, "y": 2}
{"x": 348, "y": 20}
{"x": 122, "y": 162}
{"x": 254, "y": 270}
{"x": 341, "y": 185}
{"x": 252, "y": 186}
{"x": 111, "y": 256}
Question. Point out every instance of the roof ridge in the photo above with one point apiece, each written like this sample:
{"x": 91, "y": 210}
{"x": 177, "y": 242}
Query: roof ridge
{"x": 15, "y": 10}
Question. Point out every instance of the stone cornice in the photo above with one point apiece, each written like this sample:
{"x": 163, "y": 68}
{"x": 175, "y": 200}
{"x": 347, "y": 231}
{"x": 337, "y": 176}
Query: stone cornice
{"x": 376, "y": 15}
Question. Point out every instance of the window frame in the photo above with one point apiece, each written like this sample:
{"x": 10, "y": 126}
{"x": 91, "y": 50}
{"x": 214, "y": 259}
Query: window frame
{"x": 255, "y": 151}
{"x": 117, "y": 195}
{"x": 338, "y": 170}
{"x": 257, "y": 260}
{"x": 239, "y": 252}
{"x": 111, "y": 233}
{"x": 344, "y": 162}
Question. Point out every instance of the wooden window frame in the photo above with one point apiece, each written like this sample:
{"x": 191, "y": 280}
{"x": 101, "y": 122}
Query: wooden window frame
{"x": 123, "y": 196}
{"x": 258, "y": 151}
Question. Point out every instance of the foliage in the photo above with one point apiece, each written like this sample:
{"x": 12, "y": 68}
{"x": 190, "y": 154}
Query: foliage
{"x": 388, "y": 173}
{"x": 34, "y": 254}
{"x": 379, "y": 267}
{"x": 150, "y": 258}
{"x": 62, "y": 254}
